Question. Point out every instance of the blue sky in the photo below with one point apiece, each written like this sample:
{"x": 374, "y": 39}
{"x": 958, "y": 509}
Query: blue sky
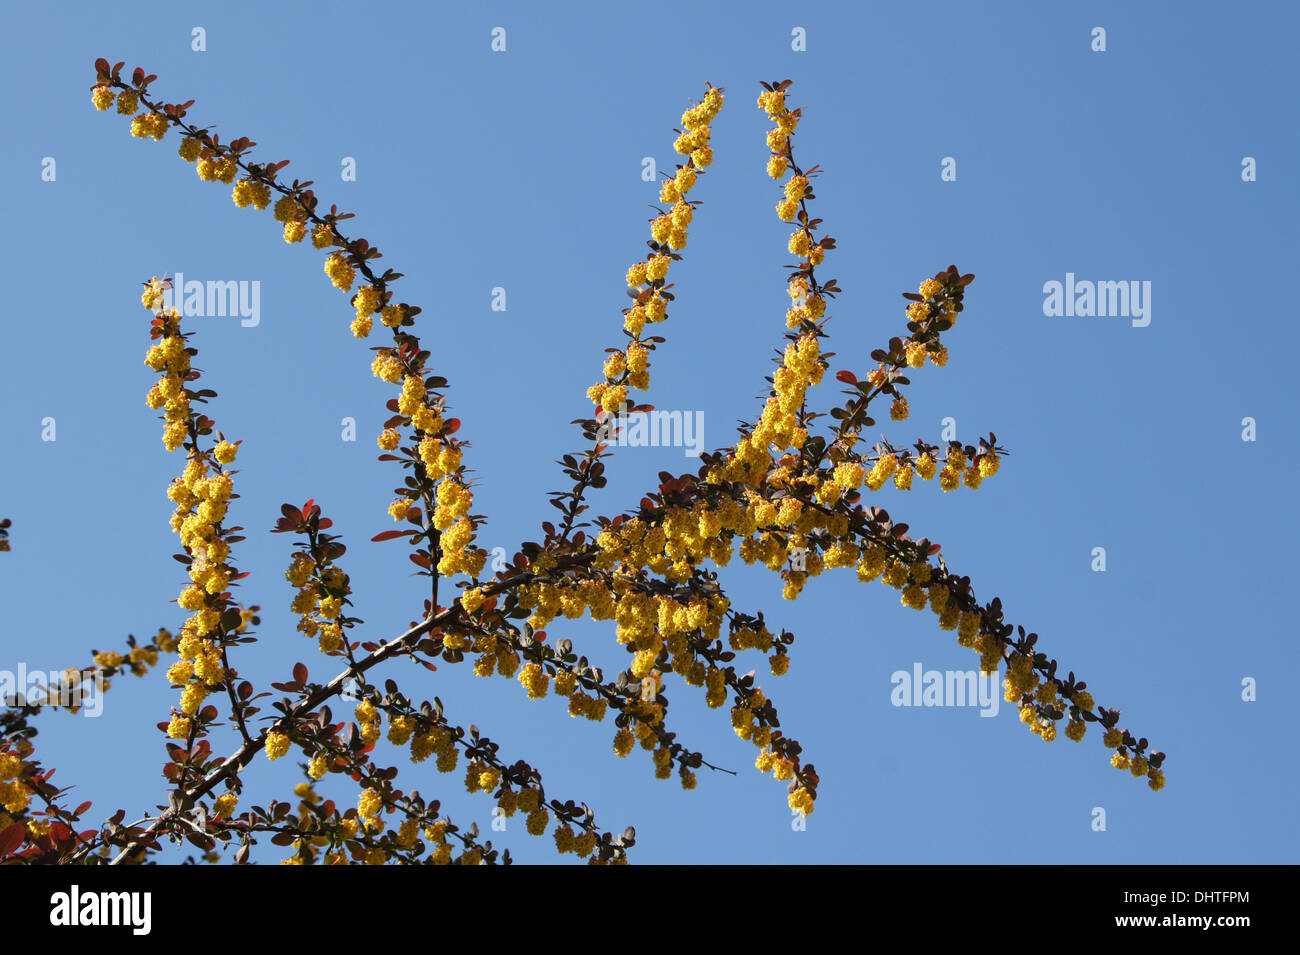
{"x": 522, "y": 170}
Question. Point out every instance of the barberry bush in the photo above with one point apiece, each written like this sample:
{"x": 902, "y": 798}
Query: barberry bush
{"x": 791, "y": 495}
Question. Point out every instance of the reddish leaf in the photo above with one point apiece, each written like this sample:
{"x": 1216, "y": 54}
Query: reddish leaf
{"x": 389, "y": 535}
{"x": 847, "y": 377}
{"x": 452, "y": 426}
{"x": 300, "y": 672}
{"x": 11, "y": 837}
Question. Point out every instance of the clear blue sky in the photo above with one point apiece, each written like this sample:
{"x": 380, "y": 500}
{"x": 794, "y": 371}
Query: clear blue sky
{"x": 522, "y": 170}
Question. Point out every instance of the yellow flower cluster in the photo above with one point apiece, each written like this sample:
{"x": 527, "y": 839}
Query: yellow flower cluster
{"x": 1137, "y": 765}
{"x": 141, "y": 659}
{"x": 169, "y": 356}
{"x": 481, "y": 776}
{"x": 400, "y": 730}
{"x": 1041, "y": 726}
{"x": 537, "y": 821}
{"x": 580, "y": 845}
{"x": 696, "y": 120}
{"x": 1022, "y": 679}
{"x": 15, "y": 795}
{"x": 441, "y": 458}
{"x": 436, "y": 741}
{"x": 535, "y": 680}
{"x": 149, "y": 124}
{"x": 802, "y": 242}
{"x": 291, "y": 213}
{"x": 369, "y": 721}
{"x": 318, "y": 602}
{"x": 801, "y": 800}
{"x": 277, "y": 745}
{"x": 593, "y": 708}
{"x": 340, "y": 272}
{"x": 211, "y": 167}
{"x": 108, "y": 659}
{"x": 749, "y": 727}
{"x": 224, "y": 806}
{"x": 937, "y": 302}
{"x": 367, "y": 302}
{"x": 201, "y": 494}
{"x": 624, "y": 740}
{"x": 778, "y": 426}
{"x": 630, "y": 367}
{"x": 785, "y": 122}
{"x": 250, "y": 192}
